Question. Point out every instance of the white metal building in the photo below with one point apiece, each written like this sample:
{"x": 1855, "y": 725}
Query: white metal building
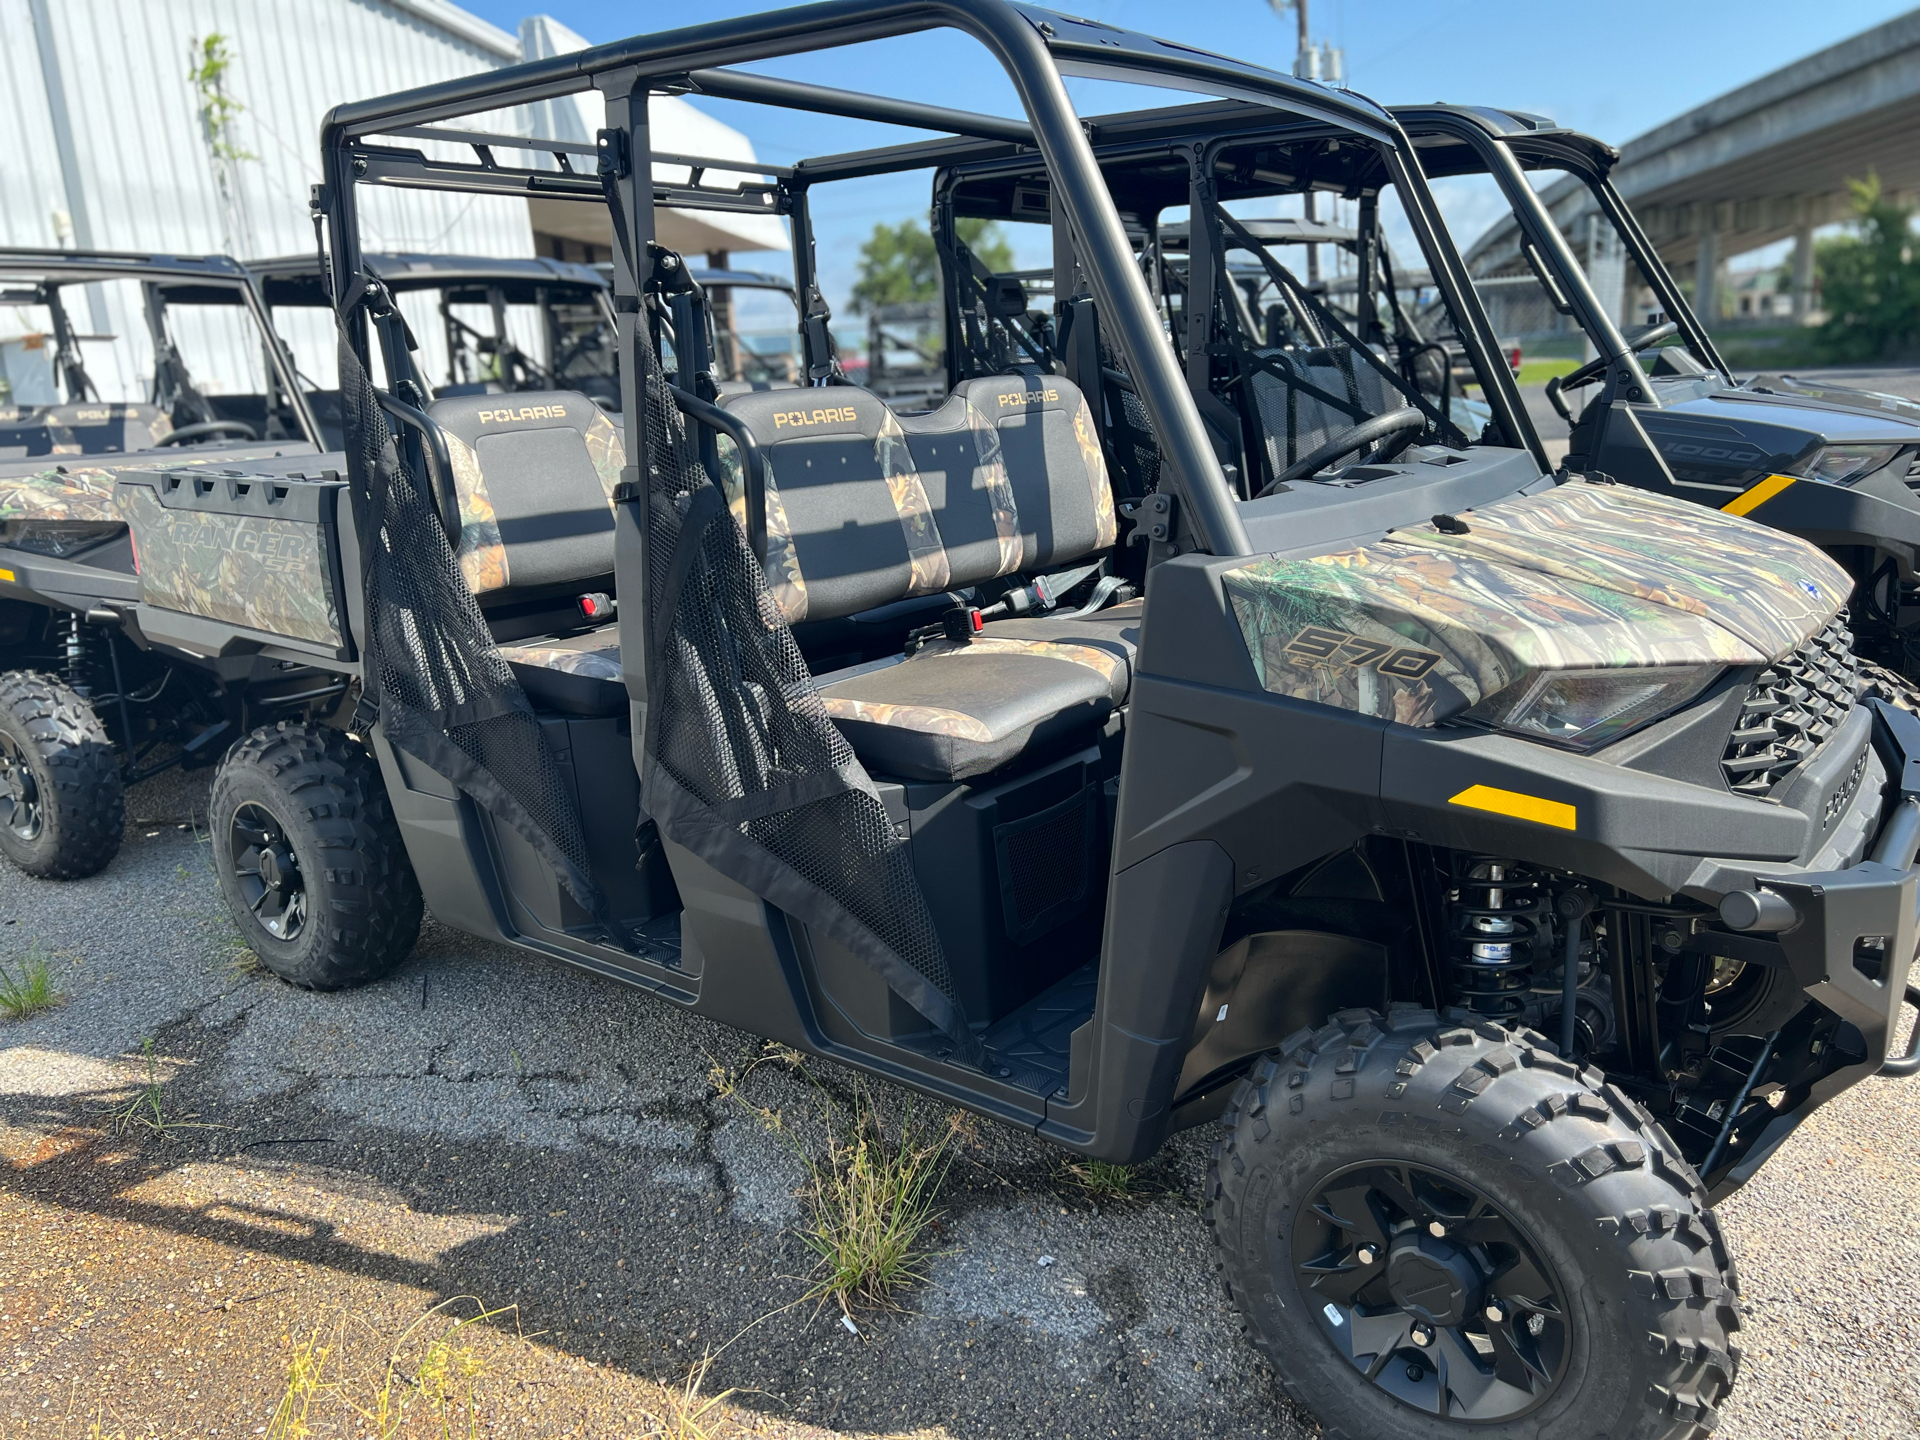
{"x": 107, "y": 149}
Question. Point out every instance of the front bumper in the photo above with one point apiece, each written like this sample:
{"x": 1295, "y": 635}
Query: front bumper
{"x": 1848, "y": 938}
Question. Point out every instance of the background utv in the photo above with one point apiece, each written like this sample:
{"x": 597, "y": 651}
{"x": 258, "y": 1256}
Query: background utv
{"x": 1392, "y": 762}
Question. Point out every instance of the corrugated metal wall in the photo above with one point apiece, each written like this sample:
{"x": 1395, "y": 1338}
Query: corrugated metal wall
{"x": 143, "y": 164}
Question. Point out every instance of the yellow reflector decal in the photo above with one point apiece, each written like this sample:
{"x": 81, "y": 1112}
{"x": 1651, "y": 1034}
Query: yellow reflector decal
{"x": 1517, "y": 806}
{"x": 7, "y": 575}
{"x": 1758, "y": 495}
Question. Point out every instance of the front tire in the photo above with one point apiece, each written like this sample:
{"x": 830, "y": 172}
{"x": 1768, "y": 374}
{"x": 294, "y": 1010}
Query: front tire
{"x": 62, "y": 809}
{"x": 310, "y": 859}
{"x": 1439, "y": 1228}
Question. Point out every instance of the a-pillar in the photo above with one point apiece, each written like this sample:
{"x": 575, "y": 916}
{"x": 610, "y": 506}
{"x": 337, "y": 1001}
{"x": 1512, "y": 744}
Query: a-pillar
{"x": 1706, "y": 279}
{"x": 1803, "y": 274}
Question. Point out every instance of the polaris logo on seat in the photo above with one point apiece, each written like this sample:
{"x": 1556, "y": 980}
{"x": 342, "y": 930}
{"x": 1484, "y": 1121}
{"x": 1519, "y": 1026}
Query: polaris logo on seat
{"x": 1030, "y": 397}
{"x": 525, "y": 412}
{"x": 833, "y": 415}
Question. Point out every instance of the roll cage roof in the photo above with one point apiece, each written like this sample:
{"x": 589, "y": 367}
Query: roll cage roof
{"x": 1034, "y": 47}
{"x": 297, "y": 279}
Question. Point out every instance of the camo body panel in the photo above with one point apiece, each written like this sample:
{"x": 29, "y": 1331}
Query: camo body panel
{"x": 81, "y": 492}
{"x": 264, "y": 574}
{"x": 1773, "y": 590}
{"x": 600, "y": 663}
{"x": 1583, "y": 577}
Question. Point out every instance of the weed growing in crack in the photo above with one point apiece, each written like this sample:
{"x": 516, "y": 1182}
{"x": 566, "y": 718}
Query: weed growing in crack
{"x": 1106, "y": 1181}
{"x": 872, "y": 1202}
{"x": 147, "y": 1107}
{"x": 306, "y": 1382}
{"x": 26, "y": 987}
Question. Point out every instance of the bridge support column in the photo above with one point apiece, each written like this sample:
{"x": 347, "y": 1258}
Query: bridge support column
{"x": 1803, "y": 274}
{"x": 1706, "y": 279}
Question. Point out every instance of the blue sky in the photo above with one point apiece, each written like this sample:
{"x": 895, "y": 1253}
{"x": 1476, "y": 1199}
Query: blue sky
{"x": 1612, "y": 69}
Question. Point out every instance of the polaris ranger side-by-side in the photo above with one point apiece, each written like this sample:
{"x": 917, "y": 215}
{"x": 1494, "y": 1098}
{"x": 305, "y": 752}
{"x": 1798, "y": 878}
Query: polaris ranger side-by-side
{"x": 106, "y": 680}
{"x": 1391, "y": 828}
{"x": 1833, "y": 465}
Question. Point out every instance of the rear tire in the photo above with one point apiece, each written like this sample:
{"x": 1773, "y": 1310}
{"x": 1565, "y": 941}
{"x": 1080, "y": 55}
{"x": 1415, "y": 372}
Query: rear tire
{"x": 310, "y": 859}
{"x": 1560, "y": 1172}
{"x": 62, "y": 809}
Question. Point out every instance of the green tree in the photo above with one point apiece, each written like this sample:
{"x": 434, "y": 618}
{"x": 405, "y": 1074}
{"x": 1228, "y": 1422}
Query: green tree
{"x": 898, "y": 262}
{"x": 1870, "y": 280}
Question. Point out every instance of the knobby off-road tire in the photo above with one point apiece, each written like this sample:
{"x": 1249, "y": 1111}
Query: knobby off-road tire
{"x": 59, "y": 781}
{"x": 1582, "y": 1173}
{"x": 310, "y": 859}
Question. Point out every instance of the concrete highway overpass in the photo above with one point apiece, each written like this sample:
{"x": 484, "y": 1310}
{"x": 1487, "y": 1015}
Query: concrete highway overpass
{"x": 1766, "y": 162}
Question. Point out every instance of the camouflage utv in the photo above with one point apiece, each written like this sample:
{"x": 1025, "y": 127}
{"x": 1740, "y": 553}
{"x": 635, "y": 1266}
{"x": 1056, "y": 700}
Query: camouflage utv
{"x": 1403, "y": 829}
{"x": 108, "y": 678}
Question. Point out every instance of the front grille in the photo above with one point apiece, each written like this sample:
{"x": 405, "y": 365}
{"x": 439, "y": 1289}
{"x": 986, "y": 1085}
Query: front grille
{"x": 1794, "y": 705}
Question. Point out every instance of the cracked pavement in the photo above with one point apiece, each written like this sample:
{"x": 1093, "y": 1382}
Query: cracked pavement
{"x": 487, "y": 1124}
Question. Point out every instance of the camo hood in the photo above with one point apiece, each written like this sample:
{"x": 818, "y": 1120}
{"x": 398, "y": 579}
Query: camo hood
{"x": 1424, "y": 624}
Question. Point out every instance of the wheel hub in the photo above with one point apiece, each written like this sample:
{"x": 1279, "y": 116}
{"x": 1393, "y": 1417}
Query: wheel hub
{"x": 1433, "y": 1279}
{"x": 1431, "y": 1291}
{"x": 19, "y": 794}
{"x": 267, "y": 872}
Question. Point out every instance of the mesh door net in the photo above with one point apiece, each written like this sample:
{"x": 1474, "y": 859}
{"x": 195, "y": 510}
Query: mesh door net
{"x": 432, "y": 673}
{"x": 743, "y": 766}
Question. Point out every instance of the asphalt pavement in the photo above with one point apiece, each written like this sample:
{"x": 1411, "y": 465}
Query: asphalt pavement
{"x": 484, "y": 1124}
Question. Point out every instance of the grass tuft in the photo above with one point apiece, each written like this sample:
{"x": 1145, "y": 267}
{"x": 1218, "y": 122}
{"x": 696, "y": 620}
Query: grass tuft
{"x": 872, "y": 1204}
{"x": 1104, "y": 1180}
{"x": 26, "y": 987}
{"x": 443, "y": 1392}
{"x": 688, "y": 1414}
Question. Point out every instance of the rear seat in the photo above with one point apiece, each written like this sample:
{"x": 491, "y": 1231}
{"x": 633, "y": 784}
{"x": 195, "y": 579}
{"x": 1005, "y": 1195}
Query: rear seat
{"x": 864, "y": 508}
{"x": 535, "y": 473}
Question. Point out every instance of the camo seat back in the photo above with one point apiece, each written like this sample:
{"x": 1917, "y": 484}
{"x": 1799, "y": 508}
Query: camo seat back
{"x": 866, "y": 507}
{"x": 535, "y": 473}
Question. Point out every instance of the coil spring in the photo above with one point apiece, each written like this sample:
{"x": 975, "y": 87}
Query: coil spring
{"x": 1497, "y": 916}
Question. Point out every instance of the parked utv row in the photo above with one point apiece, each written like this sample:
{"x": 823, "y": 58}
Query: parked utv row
{"x": 1213, "y": 708}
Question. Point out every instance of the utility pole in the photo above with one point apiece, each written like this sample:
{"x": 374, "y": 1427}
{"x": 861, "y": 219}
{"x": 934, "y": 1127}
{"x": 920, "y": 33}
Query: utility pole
{"x": 1306, "y": 65}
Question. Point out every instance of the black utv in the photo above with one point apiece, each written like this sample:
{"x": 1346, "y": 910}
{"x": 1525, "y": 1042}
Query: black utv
{"x": 1390, "y": 830}
{"x": 1663, "y": 411}
{"x": 129, "y": 362}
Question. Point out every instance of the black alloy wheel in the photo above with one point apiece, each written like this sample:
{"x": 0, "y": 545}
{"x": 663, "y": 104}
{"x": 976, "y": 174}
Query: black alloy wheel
{"x": 1431, "y": 1291}
{"x": 19, "y": 792}
{"x": 267, "y": 871}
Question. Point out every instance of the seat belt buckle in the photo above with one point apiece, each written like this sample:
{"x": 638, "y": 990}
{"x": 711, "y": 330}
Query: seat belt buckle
{"x": 595, "y": 605}
{"x": 959, "y": 625}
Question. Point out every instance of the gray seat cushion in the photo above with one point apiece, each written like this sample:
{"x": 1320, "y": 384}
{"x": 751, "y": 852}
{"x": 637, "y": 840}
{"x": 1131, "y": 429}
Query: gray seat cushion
{"x": 579, "y": 674}
{"x": 955, "y": 711}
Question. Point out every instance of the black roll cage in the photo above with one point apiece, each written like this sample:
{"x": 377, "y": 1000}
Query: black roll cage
{"x": 1034, "y": 47}
{"x": 1506, "y": 144}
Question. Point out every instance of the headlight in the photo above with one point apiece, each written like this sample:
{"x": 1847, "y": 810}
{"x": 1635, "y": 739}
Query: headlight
{"x": 1839, "y": 464}
{"x": 1585, "y": 708}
